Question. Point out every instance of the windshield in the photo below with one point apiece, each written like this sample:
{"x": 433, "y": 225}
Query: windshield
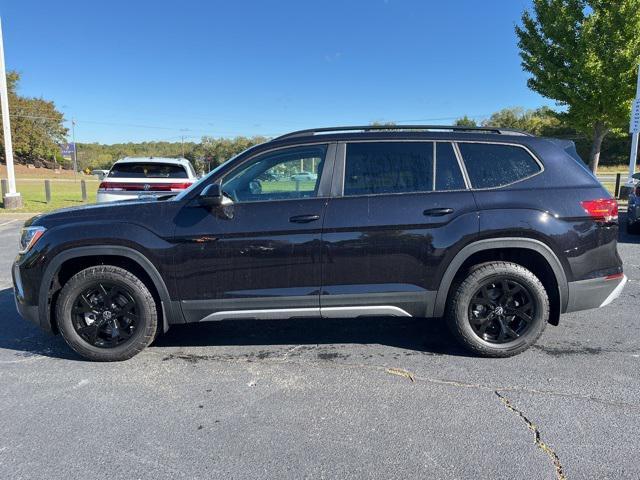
{"x": 147, "y": 170}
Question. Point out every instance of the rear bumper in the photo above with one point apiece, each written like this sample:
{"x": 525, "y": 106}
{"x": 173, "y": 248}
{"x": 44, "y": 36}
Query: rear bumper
{"x": 594, "y": 293}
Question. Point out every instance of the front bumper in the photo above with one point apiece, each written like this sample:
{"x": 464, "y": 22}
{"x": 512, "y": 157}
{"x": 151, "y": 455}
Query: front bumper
{"x": 26, "y": 311}
{"x": 594, "y": 293}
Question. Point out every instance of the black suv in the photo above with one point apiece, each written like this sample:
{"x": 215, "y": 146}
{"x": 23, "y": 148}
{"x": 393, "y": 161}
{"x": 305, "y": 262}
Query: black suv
{"x": 499, "y": 231}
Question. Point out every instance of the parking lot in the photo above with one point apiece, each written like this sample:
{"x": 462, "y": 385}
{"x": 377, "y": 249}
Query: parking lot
{"x": 382, "y": 398}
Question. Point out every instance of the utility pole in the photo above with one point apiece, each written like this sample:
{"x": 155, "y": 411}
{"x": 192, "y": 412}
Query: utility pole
{"x": 12, "y": 198}
{"x": 635, "y": 133}
{"x": 75, "y": 152}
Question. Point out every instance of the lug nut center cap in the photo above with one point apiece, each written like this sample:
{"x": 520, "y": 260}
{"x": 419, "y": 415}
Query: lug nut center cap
{"x": 107, "y": 315}
{"x": 499, "y": 311}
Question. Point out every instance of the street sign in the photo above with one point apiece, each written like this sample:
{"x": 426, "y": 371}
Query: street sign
{"x": 635, "y": 117}
{"x": 67, "y": 149}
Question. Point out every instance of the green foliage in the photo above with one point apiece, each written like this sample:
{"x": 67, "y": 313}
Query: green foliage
{"x": 465, "y": 122}
{"x": 541, "y": 121}
{"x": 36, "y": 125}
{"x": 584, "y": 54}
{"x": 207, "y": 154}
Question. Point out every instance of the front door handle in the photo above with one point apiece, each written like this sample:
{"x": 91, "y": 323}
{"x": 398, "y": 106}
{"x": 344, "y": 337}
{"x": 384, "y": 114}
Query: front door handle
{"x": 304, "y": 218}
{"x": 437, "y": 212}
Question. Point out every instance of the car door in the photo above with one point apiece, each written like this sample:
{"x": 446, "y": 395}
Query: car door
{"x": 257, "y": 256}
{"x": 400, "y": 211}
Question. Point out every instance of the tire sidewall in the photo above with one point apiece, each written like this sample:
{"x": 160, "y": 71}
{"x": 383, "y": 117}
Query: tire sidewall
{"x": 538, "y": 296}
{"x": 146, "y": 314}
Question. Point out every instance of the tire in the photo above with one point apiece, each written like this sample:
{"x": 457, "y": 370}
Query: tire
{"x": 470, "y": 305}
{"x": 128, "y": 329}
{"x": 633, "y": 228}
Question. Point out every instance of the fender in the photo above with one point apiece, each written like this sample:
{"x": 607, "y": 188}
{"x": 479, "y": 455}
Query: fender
{"x": 167, "y": 305}
{"x": 503, "y": 242}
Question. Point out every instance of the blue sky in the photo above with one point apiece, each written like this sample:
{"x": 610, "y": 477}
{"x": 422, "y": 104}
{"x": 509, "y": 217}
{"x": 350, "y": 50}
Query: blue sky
{"x": 155, "y": 70}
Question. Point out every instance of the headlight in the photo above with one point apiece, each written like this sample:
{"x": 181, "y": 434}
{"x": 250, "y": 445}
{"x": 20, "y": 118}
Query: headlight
{"x": 28, "y": 238}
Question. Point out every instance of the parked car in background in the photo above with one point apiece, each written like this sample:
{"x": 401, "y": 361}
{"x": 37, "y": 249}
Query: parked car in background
{"x": 304, "y": 176}
{"x": 135, "y": 177}
{"x": 100, "y": 173}
{"x": 498, "y": 231}
{"x": 633, "y": 211}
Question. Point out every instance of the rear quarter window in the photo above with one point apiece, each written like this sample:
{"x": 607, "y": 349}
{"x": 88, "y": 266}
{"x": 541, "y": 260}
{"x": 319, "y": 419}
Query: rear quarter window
{"x": 491, "y": 165}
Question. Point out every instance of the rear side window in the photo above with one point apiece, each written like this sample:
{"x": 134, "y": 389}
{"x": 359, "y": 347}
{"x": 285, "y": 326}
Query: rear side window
{"x": 147, "y": 170}
{"x": 448, "y": 174}
{"x": 490, "y": 165}
{"x": 388, "y": 167}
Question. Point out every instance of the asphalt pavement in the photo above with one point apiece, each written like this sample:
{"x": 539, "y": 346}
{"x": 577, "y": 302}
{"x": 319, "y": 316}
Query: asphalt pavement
{"x": 362, "y": 398}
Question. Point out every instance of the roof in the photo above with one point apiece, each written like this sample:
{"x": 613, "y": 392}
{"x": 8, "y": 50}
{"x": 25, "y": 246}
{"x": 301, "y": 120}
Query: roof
{"x": 174, "y": 161}
{"x": 401, "y": 128}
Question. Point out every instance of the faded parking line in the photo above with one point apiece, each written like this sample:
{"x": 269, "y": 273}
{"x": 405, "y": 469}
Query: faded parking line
{"x": 9, "y": 222}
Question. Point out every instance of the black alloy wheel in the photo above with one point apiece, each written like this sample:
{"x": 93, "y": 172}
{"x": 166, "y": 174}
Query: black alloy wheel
{"x": 501, "y": 311}
{"x": 105, "y": 314}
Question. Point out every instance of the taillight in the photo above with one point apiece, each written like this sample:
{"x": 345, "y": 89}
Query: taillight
{"x": 602, "y": 210}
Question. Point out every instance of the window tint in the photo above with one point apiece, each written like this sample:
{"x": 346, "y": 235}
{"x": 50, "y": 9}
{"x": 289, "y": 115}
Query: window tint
{"x": 448, "y": 174}
{"x": 283, "y": 175}
{"x": 388, "y": 167}
{"x": 147, "y": 170}
{"x": 495, "y": 165}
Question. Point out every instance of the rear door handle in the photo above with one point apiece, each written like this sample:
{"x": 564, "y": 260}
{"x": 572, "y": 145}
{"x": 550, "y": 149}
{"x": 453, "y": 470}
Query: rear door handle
{"x": 304, "y": 218}
{"x": 437, "y": 212}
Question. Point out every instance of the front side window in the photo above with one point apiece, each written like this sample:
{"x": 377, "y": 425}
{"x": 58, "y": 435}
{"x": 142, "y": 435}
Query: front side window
{"x": 388, "y": 167}
{"x": 491, "y": 165}
{"x": 282, "y": 175}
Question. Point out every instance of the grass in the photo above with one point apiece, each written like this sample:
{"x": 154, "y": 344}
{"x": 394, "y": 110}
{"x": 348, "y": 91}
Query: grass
{"x": 64, "y": 193}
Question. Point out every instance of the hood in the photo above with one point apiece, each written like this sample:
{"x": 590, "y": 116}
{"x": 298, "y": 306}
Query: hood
{"x": 122, "y": 210}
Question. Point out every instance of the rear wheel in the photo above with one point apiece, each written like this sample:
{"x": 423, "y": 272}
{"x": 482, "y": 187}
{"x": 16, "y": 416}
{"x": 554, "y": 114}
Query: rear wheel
{"x": 499, "y": 310}
{"x": 105, "y": 313}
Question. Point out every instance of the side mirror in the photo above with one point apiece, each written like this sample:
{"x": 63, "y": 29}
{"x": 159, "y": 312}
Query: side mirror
{"x": 211, "y": 196}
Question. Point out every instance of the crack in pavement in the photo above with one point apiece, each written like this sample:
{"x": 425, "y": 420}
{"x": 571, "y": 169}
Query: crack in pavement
{"x": 560, "y": 475}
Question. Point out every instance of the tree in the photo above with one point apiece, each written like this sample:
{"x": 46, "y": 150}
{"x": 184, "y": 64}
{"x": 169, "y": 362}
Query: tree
{"x": 541, "y": 121}
{"x": 584, "y": 54}
{"x": 465, "y": 122}
{"x": 36, "y": 126}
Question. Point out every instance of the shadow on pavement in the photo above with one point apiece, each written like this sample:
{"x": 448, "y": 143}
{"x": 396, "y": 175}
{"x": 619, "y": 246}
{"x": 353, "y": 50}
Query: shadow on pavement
{"x": 421, "y": 335}
{"x": 25, "y": 338}
{"x": 428, "y": 336}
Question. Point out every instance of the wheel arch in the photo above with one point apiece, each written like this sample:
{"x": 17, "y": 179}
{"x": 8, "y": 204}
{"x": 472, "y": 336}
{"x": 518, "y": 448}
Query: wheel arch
{"x": 524, "y": 245}
{"x": 94, "y": 255}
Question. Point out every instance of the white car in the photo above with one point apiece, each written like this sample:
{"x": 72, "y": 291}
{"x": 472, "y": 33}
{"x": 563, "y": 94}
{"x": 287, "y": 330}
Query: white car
{"x": 302, "y": 176}
{"x": 136, "y": 177}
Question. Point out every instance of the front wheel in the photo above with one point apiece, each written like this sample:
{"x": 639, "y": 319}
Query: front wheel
{"x": 105, "y": 313}
{"x": 499, "y": 310}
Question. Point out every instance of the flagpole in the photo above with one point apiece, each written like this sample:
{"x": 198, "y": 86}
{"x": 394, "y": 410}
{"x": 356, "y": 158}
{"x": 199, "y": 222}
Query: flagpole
{"x": 12, "y": 198}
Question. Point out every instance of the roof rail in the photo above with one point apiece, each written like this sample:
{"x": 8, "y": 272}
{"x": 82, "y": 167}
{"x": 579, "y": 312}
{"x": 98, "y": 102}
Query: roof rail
{"x": 368, "y": 128}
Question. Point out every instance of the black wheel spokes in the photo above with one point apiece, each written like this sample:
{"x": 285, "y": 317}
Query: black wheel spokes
{"x": 105, "y": 315}
{"x": 501, "y": 311}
